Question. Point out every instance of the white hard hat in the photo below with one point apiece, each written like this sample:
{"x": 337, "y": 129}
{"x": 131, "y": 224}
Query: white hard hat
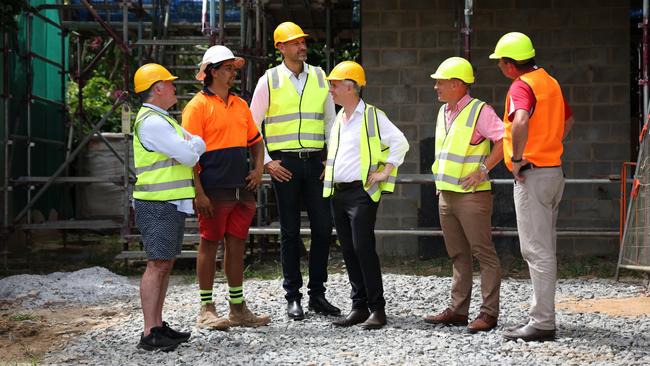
{"x": 216, "y": 54}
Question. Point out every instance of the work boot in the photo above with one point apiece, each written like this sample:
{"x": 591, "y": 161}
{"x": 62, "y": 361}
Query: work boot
{"x": 208, "y": 318}
{"x": 240, "y": 316}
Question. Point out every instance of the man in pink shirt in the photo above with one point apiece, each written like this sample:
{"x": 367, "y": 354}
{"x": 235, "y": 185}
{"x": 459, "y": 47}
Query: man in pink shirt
{"x": 464, "y": 129}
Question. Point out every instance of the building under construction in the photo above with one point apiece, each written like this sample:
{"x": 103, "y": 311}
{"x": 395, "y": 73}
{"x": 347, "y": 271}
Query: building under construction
{"x": 597, "y": 50}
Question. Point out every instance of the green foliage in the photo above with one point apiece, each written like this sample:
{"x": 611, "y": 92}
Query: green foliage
{"x": 8, "y": 11}
{"x": 22, "y": 317}
{"x": 316, "y": 54}
{"x": 98, "y": 99}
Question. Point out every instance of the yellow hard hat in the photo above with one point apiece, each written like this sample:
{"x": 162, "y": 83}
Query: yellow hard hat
{"x": 149, "y": 74}
{"x": 514, "y": 45}
{"x": 287, "y": 31}
{"x": 348, "y": 70}
{"x": 455, "y": 68}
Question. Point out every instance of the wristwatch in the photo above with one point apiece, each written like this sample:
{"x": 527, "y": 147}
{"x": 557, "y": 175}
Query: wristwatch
{"x": 483, "y": 168}
{"x": 512, "y": 159}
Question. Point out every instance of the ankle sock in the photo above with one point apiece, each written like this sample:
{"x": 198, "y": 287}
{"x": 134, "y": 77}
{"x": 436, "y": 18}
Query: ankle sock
{"x": 206, "y": 296}
{"x": 236, "y": 295}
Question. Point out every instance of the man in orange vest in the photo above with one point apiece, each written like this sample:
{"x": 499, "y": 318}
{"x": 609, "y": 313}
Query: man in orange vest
{"x": 536, "y": 119}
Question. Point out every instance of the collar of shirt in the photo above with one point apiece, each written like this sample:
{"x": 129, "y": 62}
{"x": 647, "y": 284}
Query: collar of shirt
{"x": 302, "y": 75}
{"x": 450, "y": 114}
{"x": 208, "y": 92}
{"x": 155, "y": 108}
{"x": 361, "y": 107}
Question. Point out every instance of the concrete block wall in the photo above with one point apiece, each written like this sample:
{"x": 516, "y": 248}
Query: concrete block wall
{"x": 584, "y": 44}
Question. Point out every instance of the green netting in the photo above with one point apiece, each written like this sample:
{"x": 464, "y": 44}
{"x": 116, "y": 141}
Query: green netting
{"x": 47, "y": 117}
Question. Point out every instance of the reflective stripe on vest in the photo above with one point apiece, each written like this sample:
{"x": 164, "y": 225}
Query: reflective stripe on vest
{"x": 456, "y": 157}
{"x": 545, "y": 127}
{"x": 295, "y": 121}
{"x": 373, "y": 155}
{"x": 159, "y": 178}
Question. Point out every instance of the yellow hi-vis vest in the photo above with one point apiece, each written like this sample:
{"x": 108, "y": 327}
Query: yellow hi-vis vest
{"x": 456, "y": 157}
{"x": 295, "y": 121}
{"x": 373, "y": 155}
{"x": 159, "y": 177}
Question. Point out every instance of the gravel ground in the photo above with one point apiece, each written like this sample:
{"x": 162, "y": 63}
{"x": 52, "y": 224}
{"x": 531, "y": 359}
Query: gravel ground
{"x": 583, "y": 339}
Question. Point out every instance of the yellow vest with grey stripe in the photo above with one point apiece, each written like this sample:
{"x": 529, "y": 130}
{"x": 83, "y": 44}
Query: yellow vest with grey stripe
{"x": 159, "y": 177}
{"x": 456, "y": 157}
{"x": 295, "y": 121}
{"x": 373, "y": 155}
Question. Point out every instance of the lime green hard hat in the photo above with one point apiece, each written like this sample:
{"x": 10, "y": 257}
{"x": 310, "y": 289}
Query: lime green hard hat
{"x": 455, "y": 68}
{"x": 514, "y": 45}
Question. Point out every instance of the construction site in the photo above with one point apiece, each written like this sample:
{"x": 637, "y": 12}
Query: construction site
{"x": 68, "y": 108}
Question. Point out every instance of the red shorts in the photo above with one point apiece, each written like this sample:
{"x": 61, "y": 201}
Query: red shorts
{"x": 232, "y": 217}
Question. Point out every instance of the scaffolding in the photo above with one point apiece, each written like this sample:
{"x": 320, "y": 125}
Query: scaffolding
{"x": 147, "y": 34}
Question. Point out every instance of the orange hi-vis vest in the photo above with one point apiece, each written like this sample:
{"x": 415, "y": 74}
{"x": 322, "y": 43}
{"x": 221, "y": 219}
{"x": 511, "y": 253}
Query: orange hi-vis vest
{"x": 545, "y": 126}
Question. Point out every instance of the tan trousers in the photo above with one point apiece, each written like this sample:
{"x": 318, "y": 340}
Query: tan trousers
{"x": 536, "y": 204}
{"x": 466, "y": 220}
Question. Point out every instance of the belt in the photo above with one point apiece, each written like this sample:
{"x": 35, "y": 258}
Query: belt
{"x": 348, "y": 185}
{"x": 531, "y": 166}
{"x": 300, "y": 154}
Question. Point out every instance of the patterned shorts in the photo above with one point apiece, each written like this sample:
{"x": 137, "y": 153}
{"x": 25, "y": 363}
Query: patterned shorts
{"x": 161, "y": 226}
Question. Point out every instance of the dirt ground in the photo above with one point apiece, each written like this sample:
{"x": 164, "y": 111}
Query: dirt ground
{"x": 26, "y": 335}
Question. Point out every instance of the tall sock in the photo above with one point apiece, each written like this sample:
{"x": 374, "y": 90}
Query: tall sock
{"x": 236, "y": 295}
{"x": 206, "y": 296}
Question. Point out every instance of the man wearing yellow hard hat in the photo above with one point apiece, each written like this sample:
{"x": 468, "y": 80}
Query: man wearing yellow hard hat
{"x": 536, "y": 119}
{"x": 365, "y": 150}
{"x": 164, "y": 154}
{"x": 292, "y": 107}
{"x": 465, "y": 129}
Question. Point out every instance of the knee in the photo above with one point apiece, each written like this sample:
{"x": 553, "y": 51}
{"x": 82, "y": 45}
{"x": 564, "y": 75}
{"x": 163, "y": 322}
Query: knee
{"x": 160, "y": 267}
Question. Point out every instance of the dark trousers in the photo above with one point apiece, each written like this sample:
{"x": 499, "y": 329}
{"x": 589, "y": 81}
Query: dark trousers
{"x": 306, "y": 186}
{"x": 354, "y": 216}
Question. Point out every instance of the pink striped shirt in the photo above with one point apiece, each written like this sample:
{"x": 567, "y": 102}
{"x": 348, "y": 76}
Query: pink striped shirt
{"x": 488, "y": 125}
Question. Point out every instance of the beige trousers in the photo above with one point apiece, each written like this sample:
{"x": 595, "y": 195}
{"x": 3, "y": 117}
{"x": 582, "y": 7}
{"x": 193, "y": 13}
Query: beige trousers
{"x": 466, "y": 220}
{"x": 536, "y": 203}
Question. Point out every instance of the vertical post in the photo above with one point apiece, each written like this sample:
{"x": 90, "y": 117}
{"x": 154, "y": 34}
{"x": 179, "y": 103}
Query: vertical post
{"x": 213, "y": 30}
{"x": 222, "y": 14}
{"x": 644, "y": 61}
{"x": 30, "y": 76}
{"x": 7, "y": 141}
{"x": 467, "y": 30}
{"x": 328, "y": 35}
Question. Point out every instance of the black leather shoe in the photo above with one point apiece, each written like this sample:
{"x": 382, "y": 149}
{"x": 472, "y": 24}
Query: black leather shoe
{"x": 174, "y": 334}
{"x": 294, "y": 310}
{"x": 356, "y": 316}
{"x": 376, "y": 320}
{"x": 320, "y": 305}
{"x": 158, "y": 340}
{"x": 528, "y": 333}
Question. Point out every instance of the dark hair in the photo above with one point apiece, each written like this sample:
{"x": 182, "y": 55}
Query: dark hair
{"x": 523, "y": 65}
{"x": 208, "y": 73}
{"x": 145, "y": 95}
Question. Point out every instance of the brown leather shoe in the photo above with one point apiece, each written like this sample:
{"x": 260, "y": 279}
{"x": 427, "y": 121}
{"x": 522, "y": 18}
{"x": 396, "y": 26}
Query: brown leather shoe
{"x": 528, "y": 333}
{"x": 376, "y": 320}
{"x": 356, "y": 316}
{"x": 482, "y": 323}
{"x": 447, "y": 317}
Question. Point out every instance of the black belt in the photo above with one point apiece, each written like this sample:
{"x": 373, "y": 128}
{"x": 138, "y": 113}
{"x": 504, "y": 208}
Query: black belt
{"x": 299, "y": 154}
{"x": 531, "y": 166}
{"x": 348, "y": 185}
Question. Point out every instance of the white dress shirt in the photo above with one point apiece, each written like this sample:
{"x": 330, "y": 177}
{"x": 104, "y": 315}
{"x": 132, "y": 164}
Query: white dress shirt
{"x": 156, "y": 134}
{"x": 260, "y": 102}
{"x": 347, "y": 167}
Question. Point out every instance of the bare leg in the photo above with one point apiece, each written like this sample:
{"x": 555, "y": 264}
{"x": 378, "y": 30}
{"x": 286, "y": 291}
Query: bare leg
{"x": 163, "y": 293}
{"x": 205, "y": 263}
{"x": 234, "y": 260}
{"x": 151, "y": 290}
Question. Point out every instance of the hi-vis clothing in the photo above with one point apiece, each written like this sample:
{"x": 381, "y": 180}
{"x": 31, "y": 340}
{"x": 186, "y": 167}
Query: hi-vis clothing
{"x": 372, "y": 154}
{"x": 293, "y": 120}
{"x": 159, "y": 177}
{"x": 545, "y": 126}
{"x": 456, "y": 157}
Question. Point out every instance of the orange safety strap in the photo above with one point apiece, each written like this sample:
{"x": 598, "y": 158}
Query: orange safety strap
{"x": 635, "y": 188}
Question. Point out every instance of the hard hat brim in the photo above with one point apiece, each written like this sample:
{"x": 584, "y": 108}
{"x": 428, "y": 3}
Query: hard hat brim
{"x": 494, "y": 56}
{"x": 295, "y": 36}
{"x": 238, "y": 62}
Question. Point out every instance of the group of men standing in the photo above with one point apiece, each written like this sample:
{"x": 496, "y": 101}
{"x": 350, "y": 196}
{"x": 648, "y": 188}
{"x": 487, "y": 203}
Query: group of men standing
{"x": 338, "y": 165}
